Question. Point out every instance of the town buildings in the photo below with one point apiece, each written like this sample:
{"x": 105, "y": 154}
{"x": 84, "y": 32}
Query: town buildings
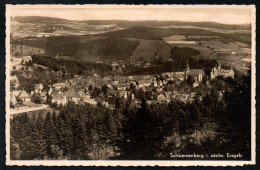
{"x": 24, "y": 96}
{"x": 162, "y": 88}
{"x": 218, "y": 71}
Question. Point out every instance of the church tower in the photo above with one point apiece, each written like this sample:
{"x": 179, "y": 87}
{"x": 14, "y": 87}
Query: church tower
{"x": 187, "y": 70}
{"x": 219, "y": 66}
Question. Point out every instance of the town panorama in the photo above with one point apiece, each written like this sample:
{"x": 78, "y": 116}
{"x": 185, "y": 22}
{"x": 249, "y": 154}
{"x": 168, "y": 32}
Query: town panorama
{"x": 129, "y": 90}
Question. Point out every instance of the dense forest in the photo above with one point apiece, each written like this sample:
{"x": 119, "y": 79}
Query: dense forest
{"x": 151, "y": 132}
{"x": 64, "y": 45}
{"x": 107, "y": 49}
{"x": 158, "y": 65}
{"x": 72, "y": 66}
{"x": 153, "y": 33}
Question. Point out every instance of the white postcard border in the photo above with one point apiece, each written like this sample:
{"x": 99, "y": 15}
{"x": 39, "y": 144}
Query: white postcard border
{"x": 133, "y": 162}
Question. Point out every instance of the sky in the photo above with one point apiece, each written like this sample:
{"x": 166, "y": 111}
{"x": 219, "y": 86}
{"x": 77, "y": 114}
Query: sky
{"x": 221, "y": 14}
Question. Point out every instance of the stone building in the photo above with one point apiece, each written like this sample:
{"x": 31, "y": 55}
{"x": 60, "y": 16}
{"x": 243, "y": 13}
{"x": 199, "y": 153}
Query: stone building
{"x": 197, "y": 74}
{"x": 218, "y": 71}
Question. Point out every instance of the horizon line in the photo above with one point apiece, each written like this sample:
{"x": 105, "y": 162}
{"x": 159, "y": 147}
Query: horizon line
{"x": 247, "y": 23}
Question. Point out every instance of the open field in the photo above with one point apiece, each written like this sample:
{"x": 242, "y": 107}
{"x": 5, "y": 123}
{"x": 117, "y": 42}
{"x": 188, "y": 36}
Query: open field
{"x": 201, "y": 37}
{"x": 121, "y": 44}
{"x": 226, "y": 56}
{"x": 204, "y": 51}
{"x": 219, "y": 46}
{"x": 175, "y": 38}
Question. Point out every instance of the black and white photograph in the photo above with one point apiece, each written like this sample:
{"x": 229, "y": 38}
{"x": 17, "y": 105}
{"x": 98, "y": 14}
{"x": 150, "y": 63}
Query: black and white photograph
{"x": 130, "y": 85}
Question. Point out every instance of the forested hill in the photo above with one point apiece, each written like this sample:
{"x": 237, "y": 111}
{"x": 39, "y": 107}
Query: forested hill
{"x": 109, "y": 49}
{"x": 105, "y": 49}
{"x": 128, "y": 24}
{"x": 38, "y": 19}
{"x": 152, "y": 33}
{"x": 153, "y": 23}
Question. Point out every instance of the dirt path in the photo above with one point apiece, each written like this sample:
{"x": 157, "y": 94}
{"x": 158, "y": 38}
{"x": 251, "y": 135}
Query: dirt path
{"x": 28, "y": 110}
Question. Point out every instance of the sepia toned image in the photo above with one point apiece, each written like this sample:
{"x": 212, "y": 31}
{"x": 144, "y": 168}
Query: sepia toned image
{"x": 130, "y": 85}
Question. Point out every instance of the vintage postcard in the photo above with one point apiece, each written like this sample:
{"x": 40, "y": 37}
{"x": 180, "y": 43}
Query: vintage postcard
{"x": 130, "y": 85}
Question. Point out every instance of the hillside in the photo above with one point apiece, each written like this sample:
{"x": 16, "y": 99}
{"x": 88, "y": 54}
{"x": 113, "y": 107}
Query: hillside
{"x": 107, "y": 49}
{"x": 151, "y": 33}
{"x": 148, "y": 49}
{"x": 38, "y": 19}
{"x": 127, "y": 24}
{"x": 63, "y": 45}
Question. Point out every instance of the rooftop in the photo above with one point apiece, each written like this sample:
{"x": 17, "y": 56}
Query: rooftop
{"x": 194, "y": 72}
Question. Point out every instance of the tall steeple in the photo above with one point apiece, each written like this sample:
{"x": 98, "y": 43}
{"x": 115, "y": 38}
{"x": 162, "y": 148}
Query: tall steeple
{"x": 219, "y": 66}
{"x": 187, "y": 67}
{"x": 187, "y": 70}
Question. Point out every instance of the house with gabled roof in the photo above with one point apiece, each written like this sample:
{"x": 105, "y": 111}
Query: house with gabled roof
{"x": 16, "y": 92}
{"x": 27, "y": 59}
{"x": 144, "y": 83}
{"x": 55, "y": 92}
{"x": 60, "y": 99}
{"x": 24, "y": 96}
{"x": 111, "y": 93}
{"x": 147, "y": 65}
{"x": 123, "y": 94}
{"x": 58, "y": 86}
{"x": 120, "y": 79}
{"x": 72, "y": 96}
{"x": 123, "y": 86}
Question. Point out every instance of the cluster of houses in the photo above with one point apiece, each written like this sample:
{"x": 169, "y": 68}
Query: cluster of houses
{"x": 116, "y": 65}
{"x": 26, "y": 59}
{"x": 218, "y": 71}
{"x": 77, "y": 89}
{"x": 174, "y": 95}
{"x": 21, "y": 95}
